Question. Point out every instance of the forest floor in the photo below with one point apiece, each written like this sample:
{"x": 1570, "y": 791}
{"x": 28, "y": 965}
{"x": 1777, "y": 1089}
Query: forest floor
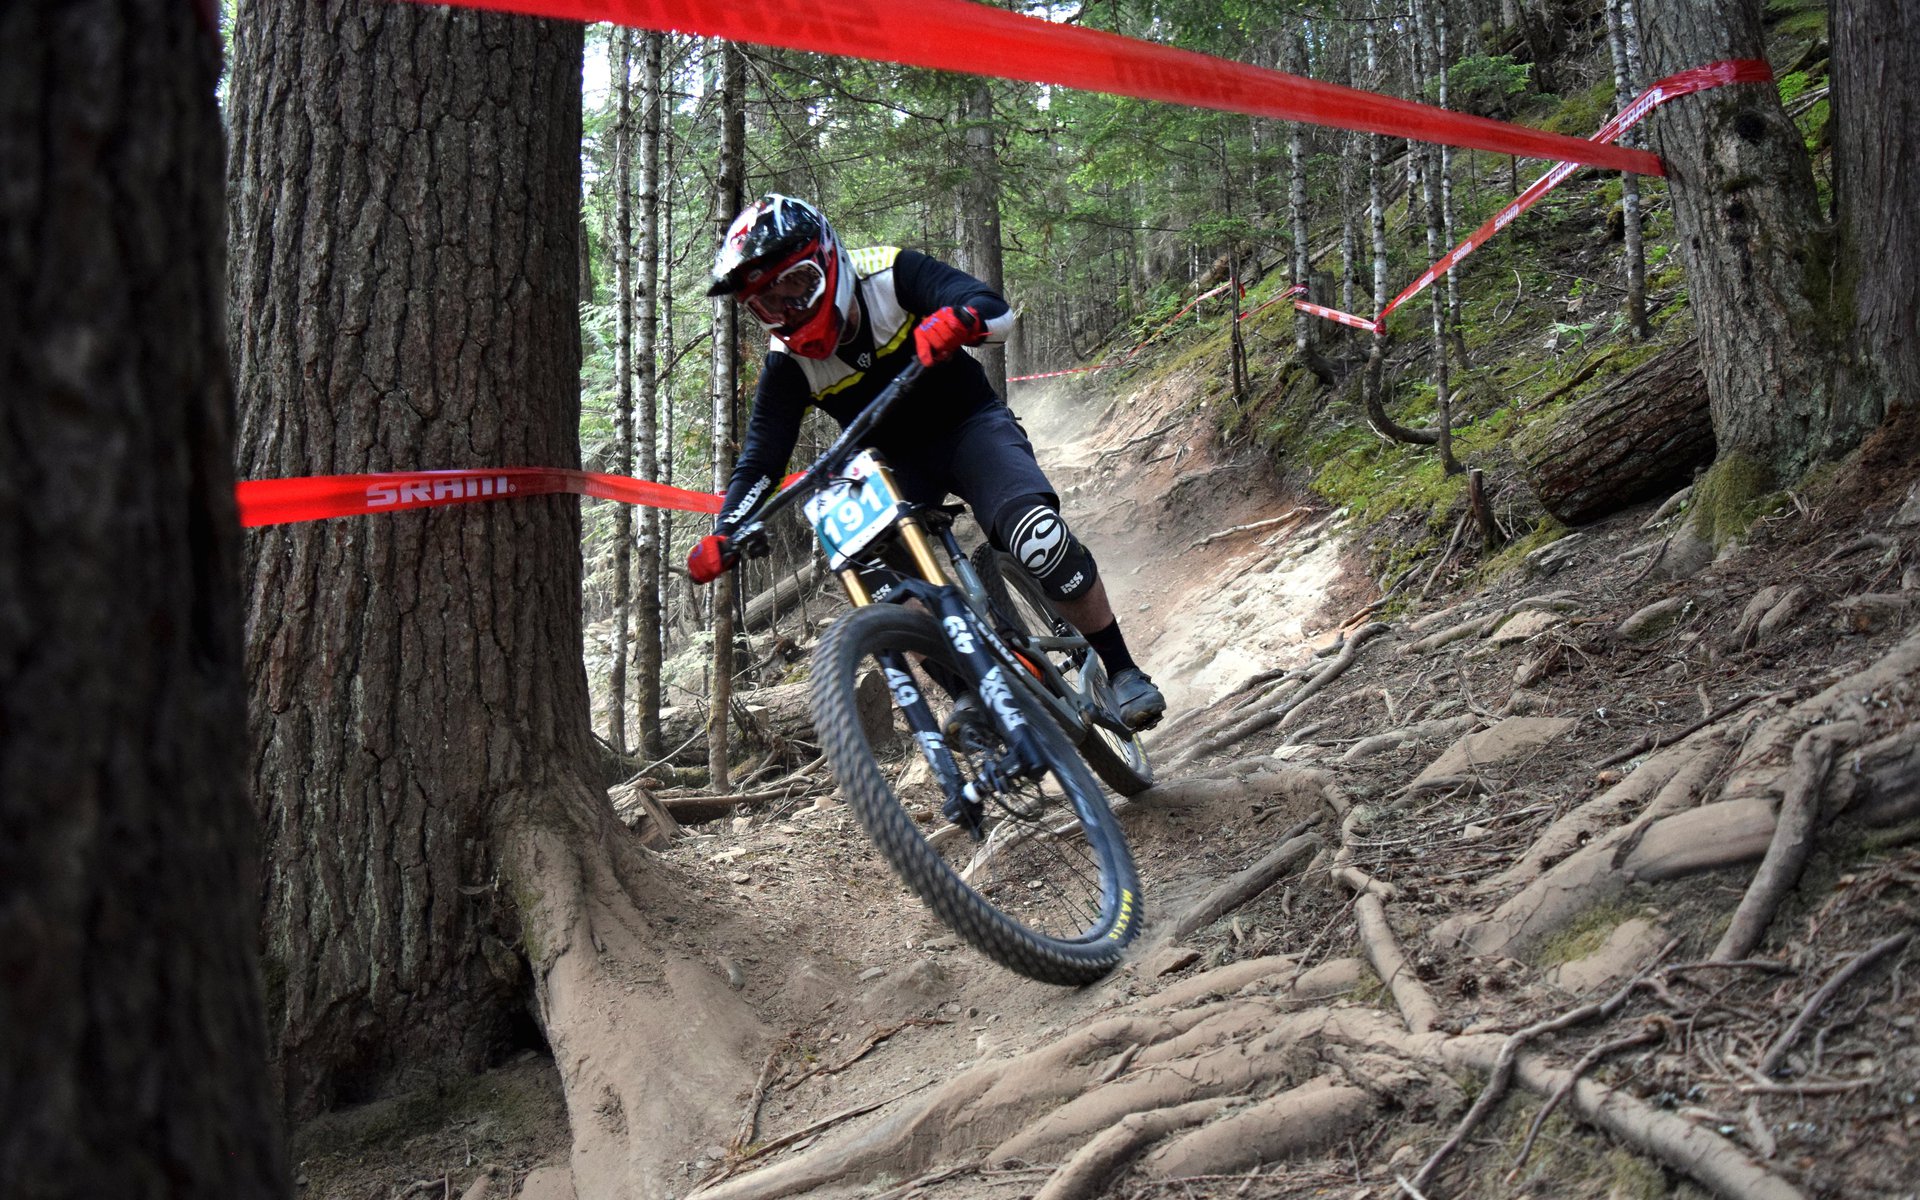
{"x": 1538, "y": 793}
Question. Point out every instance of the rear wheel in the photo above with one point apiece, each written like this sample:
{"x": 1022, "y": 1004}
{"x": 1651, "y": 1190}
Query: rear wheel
{"x": 1016, "y": 597}
{"x": 1050, "y": 890}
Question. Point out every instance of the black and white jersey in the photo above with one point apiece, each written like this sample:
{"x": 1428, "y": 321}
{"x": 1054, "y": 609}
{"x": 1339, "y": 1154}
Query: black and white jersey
{"x": 896, "y": 290}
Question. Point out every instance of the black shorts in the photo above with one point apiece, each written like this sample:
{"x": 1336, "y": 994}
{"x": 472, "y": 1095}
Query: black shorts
{"x": 986, "y": 460}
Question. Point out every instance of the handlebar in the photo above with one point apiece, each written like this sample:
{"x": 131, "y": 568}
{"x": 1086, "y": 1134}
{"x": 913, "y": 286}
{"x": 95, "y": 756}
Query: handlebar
{"x": 750, "y": 534}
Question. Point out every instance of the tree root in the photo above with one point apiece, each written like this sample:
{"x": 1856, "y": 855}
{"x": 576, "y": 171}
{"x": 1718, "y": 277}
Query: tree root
{"x": 1085, "y": 1175}
{"x": 1297, "y": 1121}
{"x": 1706, "y": 1157}
{"x": 1793, "y": 836}
{"x": 1252, "y": 725}
{"x": 1666, "y": 782}
{"x": 1295, "y": 846}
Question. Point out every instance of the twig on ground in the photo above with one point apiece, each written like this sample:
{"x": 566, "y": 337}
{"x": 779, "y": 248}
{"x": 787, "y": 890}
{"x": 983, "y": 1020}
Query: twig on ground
{"x": 866, "y": 1047}
{"x": 750, "y": 1119}
{"x": 1588, "y": 1061}
{"x": 1777, "y": 1053}
{"x": 1503, "y": 1064}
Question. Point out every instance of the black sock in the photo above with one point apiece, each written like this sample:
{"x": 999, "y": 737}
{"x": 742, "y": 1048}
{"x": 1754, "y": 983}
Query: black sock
{"x": 1112, "y": 648}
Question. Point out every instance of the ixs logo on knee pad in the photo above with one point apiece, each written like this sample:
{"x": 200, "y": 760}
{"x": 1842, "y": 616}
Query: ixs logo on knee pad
{"x": 423, "y": 491}
{"x": 1039, "y": 540}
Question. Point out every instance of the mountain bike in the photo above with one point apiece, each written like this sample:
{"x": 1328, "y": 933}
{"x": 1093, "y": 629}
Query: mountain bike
{"x": 1001, "y": 829}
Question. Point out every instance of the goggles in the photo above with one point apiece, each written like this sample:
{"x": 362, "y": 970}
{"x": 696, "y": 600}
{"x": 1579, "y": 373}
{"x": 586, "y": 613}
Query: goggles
{"x": 791, "y": 297}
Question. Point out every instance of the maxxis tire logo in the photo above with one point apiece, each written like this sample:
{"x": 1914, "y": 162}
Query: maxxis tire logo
{"x": 1039, "y": 540}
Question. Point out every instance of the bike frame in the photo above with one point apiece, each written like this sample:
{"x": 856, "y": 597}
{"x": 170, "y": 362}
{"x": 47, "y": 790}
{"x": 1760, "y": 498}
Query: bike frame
{"x": 946, "y": 585}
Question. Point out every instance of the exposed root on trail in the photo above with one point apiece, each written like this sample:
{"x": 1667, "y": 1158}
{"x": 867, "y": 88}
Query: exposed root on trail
{"x": 602, "y": 975}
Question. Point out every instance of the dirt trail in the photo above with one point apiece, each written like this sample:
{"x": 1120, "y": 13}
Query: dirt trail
{"x": 1527, "y": 834}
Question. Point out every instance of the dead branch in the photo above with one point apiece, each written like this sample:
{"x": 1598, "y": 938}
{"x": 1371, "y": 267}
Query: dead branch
{"x": 711, "y": 806}
{"x": 1698, "y": 1153}
{"x": 750, "y": 1119}
{"x": 1777, "y": 1053}
{"x": 1652, "y": 741}
{"x": 866, "y": 1047}
{"x": 1250, "y": 527}
{"x": 787, "y": 1139}
{"x": 1793, "y": 835}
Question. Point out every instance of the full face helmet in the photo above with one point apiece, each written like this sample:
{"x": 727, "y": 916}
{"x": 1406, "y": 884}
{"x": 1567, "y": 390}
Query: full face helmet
{"x": 782, "y": 261}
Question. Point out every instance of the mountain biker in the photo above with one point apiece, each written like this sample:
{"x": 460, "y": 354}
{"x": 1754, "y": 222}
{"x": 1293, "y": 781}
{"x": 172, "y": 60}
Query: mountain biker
{"x": 843, "y": 324}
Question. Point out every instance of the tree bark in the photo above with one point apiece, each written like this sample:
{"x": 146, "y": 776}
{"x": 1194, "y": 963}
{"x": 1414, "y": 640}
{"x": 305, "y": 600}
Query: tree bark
{"x": 132, "y": 1062}
{"x": 1620, "y": 29}
{"x": 647, "y": 433}
{"x": 623, "y": 382}
{"x": 375, "y": 191}
{"x": 729, "y": 198}
{"x": 980, "y": 200}
{"x": 1756, "y": 251}
{"x": 1876, "y": 54}
{"x": 406, "y": 293}
{"x": 1643, "y": 435}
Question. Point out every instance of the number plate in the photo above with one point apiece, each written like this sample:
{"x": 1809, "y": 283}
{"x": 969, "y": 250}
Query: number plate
{"x": 851, "y": 511}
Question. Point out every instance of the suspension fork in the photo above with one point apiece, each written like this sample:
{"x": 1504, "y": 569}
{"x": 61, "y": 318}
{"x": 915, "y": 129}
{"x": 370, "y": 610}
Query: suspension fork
{"x": 959, "y": 808}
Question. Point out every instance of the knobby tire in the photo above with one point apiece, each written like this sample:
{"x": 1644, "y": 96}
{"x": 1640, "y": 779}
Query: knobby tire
{"x": 1091, "y": 933}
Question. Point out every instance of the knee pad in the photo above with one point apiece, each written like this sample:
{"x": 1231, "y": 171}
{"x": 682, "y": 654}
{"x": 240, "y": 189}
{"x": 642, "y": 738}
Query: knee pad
{"x": 1037, "y": 536}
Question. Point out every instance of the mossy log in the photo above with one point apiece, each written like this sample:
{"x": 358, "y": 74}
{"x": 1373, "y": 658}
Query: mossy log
{"x": 1642, "y": 435}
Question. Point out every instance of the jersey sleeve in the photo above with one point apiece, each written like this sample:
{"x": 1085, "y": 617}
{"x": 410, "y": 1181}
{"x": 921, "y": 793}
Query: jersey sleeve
{"x": 779, "y": 402}
{"x": 925, "y": 285}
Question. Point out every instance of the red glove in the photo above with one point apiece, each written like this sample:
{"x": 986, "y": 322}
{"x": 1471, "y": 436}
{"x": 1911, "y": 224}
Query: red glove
{"x": 937, "y": 338}
{"x": 710, "y": 558}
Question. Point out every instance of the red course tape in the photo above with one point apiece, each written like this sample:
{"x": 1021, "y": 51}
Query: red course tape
{"x": 977, "y": 39}
{"x": 317, "y": 497}
{"x": 1695, "y": 79}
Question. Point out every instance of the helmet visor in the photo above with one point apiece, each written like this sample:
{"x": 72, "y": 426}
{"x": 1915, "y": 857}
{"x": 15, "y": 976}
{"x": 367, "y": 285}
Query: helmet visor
{"x": 790, "y": 298}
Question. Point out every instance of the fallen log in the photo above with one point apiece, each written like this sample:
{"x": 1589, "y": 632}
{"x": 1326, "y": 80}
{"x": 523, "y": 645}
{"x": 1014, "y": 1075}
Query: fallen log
{"x": 1640, "y": 436}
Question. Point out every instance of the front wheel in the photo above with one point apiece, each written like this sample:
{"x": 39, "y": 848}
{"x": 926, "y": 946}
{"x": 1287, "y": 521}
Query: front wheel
{"x": 1049, "y": 889}
{"x": 1016, "y": 597}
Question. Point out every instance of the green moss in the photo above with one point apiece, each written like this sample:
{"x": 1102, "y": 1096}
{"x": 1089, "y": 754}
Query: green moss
{"x": 1735, "y": 492}
{"x": 1514, "y": 554}
{"x": 1635, "y": 1178}
{"x": 1583, "y": 112}
{"x": 1587, "y": 933}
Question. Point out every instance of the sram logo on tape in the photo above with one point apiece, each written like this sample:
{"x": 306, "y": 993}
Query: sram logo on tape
{"x": 425, "y": 491}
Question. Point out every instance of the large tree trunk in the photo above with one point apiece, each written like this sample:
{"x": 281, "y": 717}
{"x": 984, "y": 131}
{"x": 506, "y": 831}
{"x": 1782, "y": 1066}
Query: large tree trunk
{"x": 623, "y": 383}
{"x": 1756, "y": 251}
{"x": 647, "y": 433}
{"x": 729, "y": 198}
{"x": 406, "y": 295}
{"x": 132, "y": 1050}
{"x": 1641, "y": 436}
{"x": 1876, "y": 121}
{"x": 980, "y": 200}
